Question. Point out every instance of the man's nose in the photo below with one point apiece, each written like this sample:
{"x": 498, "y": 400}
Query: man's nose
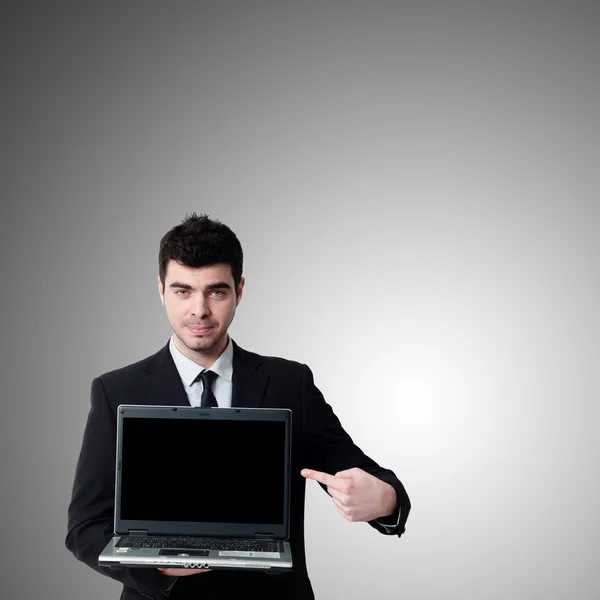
{"x": 200, "y": 306}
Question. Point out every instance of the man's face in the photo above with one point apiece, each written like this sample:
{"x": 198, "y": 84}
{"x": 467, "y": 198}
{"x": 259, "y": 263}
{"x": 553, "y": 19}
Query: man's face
{"x": 200, "y": 305}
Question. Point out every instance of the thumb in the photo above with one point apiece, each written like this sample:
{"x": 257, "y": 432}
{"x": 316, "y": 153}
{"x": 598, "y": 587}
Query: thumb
{"x": 349, "y": 473}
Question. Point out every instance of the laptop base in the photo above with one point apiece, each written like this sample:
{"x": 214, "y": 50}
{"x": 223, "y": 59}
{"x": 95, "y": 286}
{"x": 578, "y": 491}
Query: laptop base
{"x": 114, "y": 556}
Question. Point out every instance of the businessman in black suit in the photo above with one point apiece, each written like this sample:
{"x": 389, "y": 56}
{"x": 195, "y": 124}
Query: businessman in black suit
{"x": 200, "y": 286}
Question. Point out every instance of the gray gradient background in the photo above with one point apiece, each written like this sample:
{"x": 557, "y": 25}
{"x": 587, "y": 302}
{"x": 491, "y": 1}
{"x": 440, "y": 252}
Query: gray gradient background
{"x": 416, "y": 190}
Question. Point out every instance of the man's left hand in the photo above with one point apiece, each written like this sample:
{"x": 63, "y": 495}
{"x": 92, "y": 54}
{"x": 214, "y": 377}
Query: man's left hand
{"x": 358, "y": 495}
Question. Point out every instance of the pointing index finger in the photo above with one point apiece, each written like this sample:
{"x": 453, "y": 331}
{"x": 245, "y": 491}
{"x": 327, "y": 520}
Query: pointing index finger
{"x": 324, "y": 478}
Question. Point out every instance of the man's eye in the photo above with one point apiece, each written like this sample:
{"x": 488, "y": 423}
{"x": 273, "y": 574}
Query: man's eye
{"x": 220, "y": 293}
{"x": 181, "y": 292}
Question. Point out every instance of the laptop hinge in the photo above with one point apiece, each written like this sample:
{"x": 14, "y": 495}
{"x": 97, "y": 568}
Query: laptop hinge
{"x": 264, "y": 536}
{"x": 138, "y": 532}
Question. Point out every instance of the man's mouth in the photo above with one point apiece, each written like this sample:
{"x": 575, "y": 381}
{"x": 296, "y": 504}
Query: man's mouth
{"x": 198, "y": 330}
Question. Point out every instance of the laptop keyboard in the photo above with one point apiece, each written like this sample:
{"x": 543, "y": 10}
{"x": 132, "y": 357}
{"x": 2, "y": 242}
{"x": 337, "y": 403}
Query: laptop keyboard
{"x": 184, "y": 543}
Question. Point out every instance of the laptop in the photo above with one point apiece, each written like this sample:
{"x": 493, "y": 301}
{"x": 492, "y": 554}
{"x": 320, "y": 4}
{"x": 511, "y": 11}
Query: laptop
{"x": 202, "y": 488}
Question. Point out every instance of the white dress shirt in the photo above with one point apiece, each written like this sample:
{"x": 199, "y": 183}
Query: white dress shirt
{"x": 189, "y": 370}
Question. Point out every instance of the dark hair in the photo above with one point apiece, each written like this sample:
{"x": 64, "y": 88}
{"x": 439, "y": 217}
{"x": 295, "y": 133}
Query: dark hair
{"x": 200, "y": 242}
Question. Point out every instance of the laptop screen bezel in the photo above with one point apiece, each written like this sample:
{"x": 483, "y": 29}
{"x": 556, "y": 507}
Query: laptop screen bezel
{"x": 238, "y": 530}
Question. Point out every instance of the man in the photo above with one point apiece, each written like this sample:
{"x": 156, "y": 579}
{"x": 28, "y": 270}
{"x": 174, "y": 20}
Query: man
{"x": 200, "y": 285}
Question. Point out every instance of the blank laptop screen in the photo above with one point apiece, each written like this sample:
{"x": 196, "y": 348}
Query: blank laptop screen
{"x": 199, "y": 470}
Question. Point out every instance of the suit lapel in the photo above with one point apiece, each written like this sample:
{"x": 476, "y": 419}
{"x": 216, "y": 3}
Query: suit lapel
{"x": 249, "y": 380}
{"x": 163, "y": 382}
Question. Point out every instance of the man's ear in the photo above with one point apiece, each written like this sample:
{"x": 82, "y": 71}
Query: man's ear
{"x": 240, "y": 291}
{"x": 161, "y": 290}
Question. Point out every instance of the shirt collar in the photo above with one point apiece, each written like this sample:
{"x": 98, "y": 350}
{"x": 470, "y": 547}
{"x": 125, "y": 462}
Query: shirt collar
{"x": 189, "y": 370}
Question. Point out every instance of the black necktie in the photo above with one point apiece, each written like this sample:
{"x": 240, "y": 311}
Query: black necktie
{"x": 208, "y": 399}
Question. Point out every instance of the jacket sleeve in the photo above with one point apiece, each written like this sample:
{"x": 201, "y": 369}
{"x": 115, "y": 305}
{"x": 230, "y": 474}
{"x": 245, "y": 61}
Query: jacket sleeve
{"x": 91, "y": 509}
{"x": 329, "y": 448}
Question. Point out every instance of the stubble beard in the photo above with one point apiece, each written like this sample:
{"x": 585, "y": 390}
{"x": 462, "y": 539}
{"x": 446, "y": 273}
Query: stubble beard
{"x": 203, "y": 346}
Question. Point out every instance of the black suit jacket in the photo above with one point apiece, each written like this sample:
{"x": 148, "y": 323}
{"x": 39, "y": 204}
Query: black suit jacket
{"x": 318, "y": 442}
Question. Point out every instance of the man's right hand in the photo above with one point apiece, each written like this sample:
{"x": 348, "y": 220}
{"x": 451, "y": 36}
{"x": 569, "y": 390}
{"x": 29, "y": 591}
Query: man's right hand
{"x": 182, "y": 572}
